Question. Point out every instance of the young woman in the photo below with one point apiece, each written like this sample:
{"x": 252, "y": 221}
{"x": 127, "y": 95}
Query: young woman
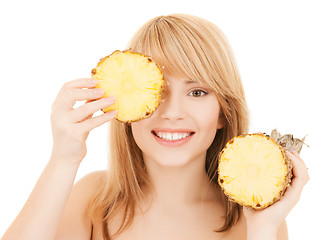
{"x": 155, "y": 188}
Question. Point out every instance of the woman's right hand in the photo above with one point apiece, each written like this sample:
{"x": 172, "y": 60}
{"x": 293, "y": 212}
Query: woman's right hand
{"x": 70, "y": 127}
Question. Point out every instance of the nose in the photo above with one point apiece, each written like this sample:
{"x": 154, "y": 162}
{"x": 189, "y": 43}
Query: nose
{"x": 171, "y": 108}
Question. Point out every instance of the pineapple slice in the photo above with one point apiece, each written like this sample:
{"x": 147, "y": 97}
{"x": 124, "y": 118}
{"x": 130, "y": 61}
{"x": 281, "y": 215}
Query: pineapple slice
{"x": 136, "y": 82}
{"x": 254, "y": 170}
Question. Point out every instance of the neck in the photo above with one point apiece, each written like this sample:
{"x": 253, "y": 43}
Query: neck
{"x": 188, "y": 184}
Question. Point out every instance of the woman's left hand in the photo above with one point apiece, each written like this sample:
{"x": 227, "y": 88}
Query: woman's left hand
{"x": 272, "y": 217}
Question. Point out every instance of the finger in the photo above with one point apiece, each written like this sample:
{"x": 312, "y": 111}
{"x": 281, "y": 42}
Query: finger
{"x": 85, "y": 94}
{"x": 90, "y": 108}
{"x": 88, "y": 117}
{"x": 299, "y": 169}
{"x": 92, "y": 123}
{"x": 91, "y": 115}
{"x": 68, "y": 96}
{"x": 294, "y": 190}
{"x": 297, "y": 156}
{"x": 81, "y": 83}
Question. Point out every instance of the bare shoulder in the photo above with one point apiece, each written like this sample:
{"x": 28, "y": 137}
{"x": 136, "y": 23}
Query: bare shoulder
{"x": 91, "y": 180}
{"x": 75, "y": 222}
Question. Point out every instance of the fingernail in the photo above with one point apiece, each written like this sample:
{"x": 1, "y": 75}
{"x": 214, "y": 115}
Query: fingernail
{"x": 113, "y": 113}
{"x": 110, "y": 99}
{"x": 98, "y": 91}
{"x": 93, "y": 81}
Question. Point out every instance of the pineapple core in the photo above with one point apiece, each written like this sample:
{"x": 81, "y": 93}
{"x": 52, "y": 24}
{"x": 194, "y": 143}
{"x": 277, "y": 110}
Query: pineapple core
{"x": 136, "y": 82}
{"x": 253, "y": 170}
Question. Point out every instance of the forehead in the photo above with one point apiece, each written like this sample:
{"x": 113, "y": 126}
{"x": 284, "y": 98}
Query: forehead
{"x": 172, "y": 82}
{"x": 172, "y": 69}
{"x": 170, "y": 65}
{"x": 179, "y": 83}
{"x": 178, "y": 76}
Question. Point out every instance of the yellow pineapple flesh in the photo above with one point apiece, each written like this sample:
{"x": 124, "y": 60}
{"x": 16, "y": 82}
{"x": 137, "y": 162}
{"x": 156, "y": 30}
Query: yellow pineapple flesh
{"x": 136, "y": 82}
{"x": 254, "y": 171}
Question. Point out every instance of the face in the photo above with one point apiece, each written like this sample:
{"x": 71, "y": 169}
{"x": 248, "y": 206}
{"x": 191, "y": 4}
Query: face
{"x": 182, "y": 128}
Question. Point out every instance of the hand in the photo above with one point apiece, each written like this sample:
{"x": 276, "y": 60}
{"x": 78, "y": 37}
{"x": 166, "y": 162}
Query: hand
{"x": 272, "y": 217}
{"x": 70, "y": 127}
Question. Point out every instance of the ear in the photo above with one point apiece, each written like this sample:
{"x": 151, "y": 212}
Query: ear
{"x": 221, "y": 122}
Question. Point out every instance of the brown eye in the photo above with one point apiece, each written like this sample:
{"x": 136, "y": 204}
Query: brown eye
{"x": 197, "y": 93}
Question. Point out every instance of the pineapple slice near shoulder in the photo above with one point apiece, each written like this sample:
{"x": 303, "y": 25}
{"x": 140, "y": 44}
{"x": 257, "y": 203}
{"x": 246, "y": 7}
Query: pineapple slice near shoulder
{"x": 136, "y": 82}
{"x": 253, "y": 169}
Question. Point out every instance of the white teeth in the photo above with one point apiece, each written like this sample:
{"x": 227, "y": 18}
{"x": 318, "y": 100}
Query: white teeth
{"x": 172, "y": 136}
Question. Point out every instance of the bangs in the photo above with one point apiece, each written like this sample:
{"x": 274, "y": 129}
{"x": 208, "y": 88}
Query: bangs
{"x": 177, "y": 47}
{"x": 192, "y": 48}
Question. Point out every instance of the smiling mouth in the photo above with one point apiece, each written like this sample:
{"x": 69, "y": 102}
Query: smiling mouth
{"x": 172, "y": 136}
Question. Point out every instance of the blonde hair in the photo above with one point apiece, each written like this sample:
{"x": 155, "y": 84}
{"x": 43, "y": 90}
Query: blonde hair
{"x": 186, "y": 46}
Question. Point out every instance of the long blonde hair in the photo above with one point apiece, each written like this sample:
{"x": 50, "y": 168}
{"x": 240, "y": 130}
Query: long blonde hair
{"x": 186, "y": 46}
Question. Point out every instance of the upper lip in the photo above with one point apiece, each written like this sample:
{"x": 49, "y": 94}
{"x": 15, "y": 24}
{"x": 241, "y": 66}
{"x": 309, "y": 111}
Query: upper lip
{"x": 171, "y": 130}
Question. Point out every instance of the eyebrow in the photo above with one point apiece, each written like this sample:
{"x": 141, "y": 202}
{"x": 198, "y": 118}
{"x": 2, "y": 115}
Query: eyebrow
{"x": 190, "y": 81}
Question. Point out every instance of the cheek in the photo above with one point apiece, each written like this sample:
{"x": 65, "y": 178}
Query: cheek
{"x": 209, "y": 116}
{"x": 139, "y": 133}
{"x": 207, "y": 119}
{"x": 136, "y": 129}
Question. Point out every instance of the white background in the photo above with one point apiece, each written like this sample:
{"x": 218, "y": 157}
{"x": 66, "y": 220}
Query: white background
{"x": 282, "y": 52}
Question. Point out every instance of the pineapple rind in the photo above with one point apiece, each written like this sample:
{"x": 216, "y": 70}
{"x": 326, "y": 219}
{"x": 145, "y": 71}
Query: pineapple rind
{"x": 249, "y": 195}
{"x": 138, "y": 93}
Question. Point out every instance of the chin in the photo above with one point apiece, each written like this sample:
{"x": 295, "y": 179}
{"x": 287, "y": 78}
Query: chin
{"x": 172, "y": 160}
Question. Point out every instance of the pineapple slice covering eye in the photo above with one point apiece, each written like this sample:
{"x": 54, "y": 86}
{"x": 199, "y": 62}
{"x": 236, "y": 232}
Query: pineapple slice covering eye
{"x": 254, "y": 170}
{"x": 136, "y": 82}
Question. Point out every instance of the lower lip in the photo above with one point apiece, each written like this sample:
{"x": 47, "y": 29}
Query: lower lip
{"x": 173, "y": 143}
